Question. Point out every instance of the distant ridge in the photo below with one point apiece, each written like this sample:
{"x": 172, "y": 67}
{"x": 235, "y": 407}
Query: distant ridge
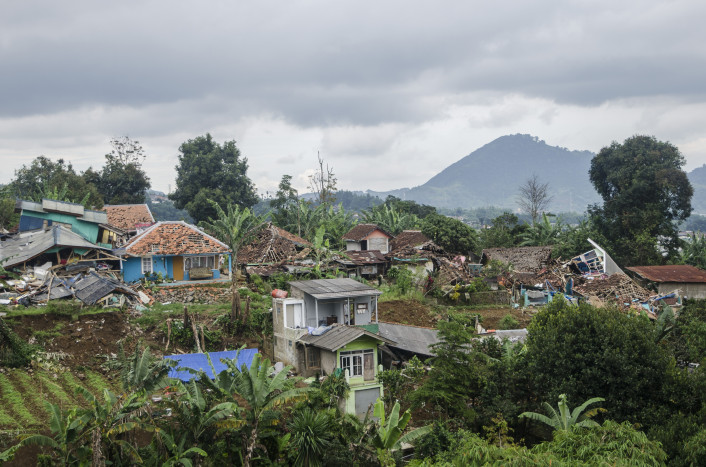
{"x": 492, "y": 175}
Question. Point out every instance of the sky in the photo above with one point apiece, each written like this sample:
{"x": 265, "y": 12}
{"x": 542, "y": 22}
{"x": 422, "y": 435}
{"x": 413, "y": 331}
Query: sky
{"x": 388, "y": 93}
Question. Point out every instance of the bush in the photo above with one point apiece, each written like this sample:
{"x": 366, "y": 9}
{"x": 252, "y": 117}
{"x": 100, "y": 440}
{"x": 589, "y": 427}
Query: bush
{"x": 508, "y": 322}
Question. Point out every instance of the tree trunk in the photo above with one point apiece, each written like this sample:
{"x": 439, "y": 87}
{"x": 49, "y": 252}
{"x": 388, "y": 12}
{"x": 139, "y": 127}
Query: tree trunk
{"x": 252, "y": 442}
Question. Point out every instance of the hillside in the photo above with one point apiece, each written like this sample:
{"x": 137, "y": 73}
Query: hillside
{"x": 492, "y": 174}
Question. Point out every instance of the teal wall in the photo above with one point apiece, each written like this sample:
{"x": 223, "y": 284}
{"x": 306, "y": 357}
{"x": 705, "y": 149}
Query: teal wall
{"x": 87, "y": 230}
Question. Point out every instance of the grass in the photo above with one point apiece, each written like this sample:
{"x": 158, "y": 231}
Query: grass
{"x": 55, "y": 391}
{"x": 14, "y": 401}
{"x": 96, "y": 383}
{"x": 65, "y": 308}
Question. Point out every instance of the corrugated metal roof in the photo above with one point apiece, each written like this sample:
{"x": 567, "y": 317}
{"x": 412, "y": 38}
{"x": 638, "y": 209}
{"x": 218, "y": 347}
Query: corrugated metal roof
{"x": 199, "y": 361}
{"x": 93, "y": 287}
{"x": 410, "y": 338}
{"x": 23, "y": 248}
{"x": 670, "y": 273}
{"x": 334, "y": 288}
{"x": 339, "y": 336}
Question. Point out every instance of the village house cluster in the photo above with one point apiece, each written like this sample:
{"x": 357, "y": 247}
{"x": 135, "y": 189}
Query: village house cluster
{"x": 322, "y": 326}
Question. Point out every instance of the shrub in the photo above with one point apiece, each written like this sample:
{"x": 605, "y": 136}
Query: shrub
{"x": 508, "y": 322}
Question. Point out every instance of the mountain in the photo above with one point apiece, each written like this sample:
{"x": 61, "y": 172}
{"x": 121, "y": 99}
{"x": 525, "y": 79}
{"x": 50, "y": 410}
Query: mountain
{"x": 492, "y": 175}
{"x": 697, "y": 177}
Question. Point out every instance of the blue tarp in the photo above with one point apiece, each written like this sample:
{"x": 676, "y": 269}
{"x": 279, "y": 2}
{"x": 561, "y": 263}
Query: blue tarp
{"x": 198, "y": 361}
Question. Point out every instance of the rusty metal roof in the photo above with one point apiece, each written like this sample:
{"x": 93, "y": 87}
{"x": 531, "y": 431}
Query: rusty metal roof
{"x": 670, "y": 273}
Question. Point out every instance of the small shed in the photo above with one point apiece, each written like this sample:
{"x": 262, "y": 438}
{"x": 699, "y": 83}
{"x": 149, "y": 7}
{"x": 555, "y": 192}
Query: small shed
{"x": 690, "y": 281}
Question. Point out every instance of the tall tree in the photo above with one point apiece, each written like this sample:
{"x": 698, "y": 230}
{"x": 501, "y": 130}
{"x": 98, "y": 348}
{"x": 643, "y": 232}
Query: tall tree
{"x": 534, "y": 197}
{"x": 122, "y": 179}
{"x": 451, "y": 234}
{"x": 235, "y": 228}
{"x": 285, "y": 204}
{"x": 44, "y": 178}
{"x": 645, "y": 195}
{"x": 211, "y": 171}
{"x": 323, "y": 183}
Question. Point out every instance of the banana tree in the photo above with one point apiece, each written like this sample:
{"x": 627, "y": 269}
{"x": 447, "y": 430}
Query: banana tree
{"x": 389, "y": 435}
{"x": 565, "y": 418}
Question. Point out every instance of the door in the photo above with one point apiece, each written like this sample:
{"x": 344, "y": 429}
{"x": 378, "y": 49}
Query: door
{"x": 178, "y": 268}
{"x": 368, "y": 367}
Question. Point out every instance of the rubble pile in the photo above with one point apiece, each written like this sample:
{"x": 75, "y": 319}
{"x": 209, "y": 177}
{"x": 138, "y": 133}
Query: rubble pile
{"x": 186, "y": 294}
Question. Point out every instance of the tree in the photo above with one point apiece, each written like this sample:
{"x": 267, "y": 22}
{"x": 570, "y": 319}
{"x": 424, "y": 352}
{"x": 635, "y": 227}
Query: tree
{"x": 122, "y": 179}
{"x": 565, "y": 419}
{"x": 451, "y": 234}
{"x": 542, "y": 233}
{"x": 389, "y": 435}
{"x": 323, "y": 184}
{"x": 505, "y": 232}
{"x": 311, "y": 436}
{"x": 211, "y": 171}
{"x": 583, "y": 351}
{"x": 390, "y": 219}
{"x": 285, "y": 204}
{"x": 534, "y": 197}
{"x": 8, "y": 218}
{"x": 645, "y": 195}
{"x": 235, "y": 228}
{"x": 44, "y": 178}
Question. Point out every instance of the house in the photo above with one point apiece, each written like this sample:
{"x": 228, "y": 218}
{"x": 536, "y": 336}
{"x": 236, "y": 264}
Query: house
{"x": 414, "y": 250}
{"x": 271, "y": 249}
{"x": 89, "y": 224}
{"x": 364, "y": 263}
{"x": 367, "y": 237}
{"x": 331, "y": 324}
{"x": 408, "y": 341}
{"x": 689, "y": 281}
{"x": 57, "y": 244}
{"x": 524, "y": 259}
{"x": 130, "y": 218}
{"x": 173, "y": 248}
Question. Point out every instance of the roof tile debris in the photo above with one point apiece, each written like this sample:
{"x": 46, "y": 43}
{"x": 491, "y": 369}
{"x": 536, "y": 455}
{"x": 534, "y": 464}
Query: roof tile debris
{"x": 127, "y": 216}
{"x": 672, "y": 273}
{"x": 273, "y": 245}
{"x": 523, "y": 258}
{"x": 174, "y": 238}
{"x": 408, "y": 238}
{"x": 362, "y": 258}
{"x": 361, "y": 231}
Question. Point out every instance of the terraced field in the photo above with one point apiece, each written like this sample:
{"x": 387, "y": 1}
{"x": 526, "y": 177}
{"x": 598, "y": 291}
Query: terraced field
{"x": 22, "y": 396}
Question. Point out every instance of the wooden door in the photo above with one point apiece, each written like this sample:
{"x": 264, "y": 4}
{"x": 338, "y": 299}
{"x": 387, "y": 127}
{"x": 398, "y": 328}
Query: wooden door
{"x": 178, "y": 268}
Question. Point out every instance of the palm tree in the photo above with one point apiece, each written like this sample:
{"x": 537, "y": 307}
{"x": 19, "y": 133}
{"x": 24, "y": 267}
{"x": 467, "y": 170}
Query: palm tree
{"x": 143, "y": 371}
{"x": 390, "y": 219}
{"x": 235, "y": 228}
{"x": 565, "y": 419}
{"x": 542, "y": 233}
{"x": 179, "y": 455}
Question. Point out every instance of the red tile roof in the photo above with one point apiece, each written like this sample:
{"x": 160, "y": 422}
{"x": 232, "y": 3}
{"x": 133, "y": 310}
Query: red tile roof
{"x": 174, "y": 238}
{"x": 126, "y": 216}
{"x": 361, "y": 231}
{"x": 671, "y": 273}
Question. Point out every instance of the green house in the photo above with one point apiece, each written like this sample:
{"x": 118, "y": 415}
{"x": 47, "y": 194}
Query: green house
{"x": 352, "y": 350}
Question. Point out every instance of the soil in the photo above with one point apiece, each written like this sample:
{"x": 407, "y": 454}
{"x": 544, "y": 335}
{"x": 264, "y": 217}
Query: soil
{"x": 416, "y": 313}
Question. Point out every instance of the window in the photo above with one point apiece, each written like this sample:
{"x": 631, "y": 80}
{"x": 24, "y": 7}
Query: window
{"x": 154, "y": 247}
{"x": 199, "y": 262}
{"x": 313, "y": 357}
{"x": 361, "y": 308}
{"x": 353, "y": 361}
{"x": 146, "y": 265}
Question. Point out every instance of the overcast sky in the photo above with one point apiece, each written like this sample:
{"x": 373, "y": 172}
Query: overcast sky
{"x": 389, "y": 92}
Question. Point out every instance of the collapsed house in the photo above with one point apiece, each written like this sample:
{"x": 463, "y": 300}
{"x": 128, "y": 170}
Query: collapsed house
{"x": 129, "y": 218}
{"x": 276, "y": 250}
{"x": 364, "y": 263}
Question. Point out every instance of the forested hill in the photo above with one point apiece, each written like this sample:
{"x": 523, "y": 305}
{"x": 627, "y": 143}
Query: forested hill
{"x": 492, "y": 175}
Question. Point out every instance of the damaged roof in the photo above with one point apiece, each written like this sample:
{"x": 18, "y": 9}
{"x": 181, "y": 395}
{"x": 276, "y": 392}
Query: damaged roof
{"x": 334, "y": 288}
{"x": 414, "y": 339}
{"x": 361, "y": 231}
{"x": 408, "y": 238}
{"x": 26, "y": 247}
{"x": 91, "y": 288}
{"x": 523, "y": 258}
{"x": 670, "y": 273}
{"x": 127, "y": 216}
{"x": 272, "y": 245}
{"x": 174, "y": 238}
{"x": 362, "y": 258}
{"x": 339, "y": 336}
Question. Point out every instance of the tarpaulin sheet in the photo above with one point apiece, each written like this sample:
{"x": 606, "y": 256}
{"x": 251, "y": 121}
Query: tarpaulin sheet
{"x": 199, "y": 361}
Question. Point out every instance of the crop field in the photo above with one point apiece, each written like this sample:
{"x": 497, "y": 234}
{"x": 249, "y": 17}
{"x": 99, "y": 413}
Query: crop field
{"x": 23, "y": 396}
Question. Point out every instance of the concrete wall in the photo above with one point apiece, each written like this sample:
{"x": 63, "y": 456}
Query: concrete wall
{"x": 689, "y": 290}
{"x": 352, "y": 246}
{"x": 87, "y": 230}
